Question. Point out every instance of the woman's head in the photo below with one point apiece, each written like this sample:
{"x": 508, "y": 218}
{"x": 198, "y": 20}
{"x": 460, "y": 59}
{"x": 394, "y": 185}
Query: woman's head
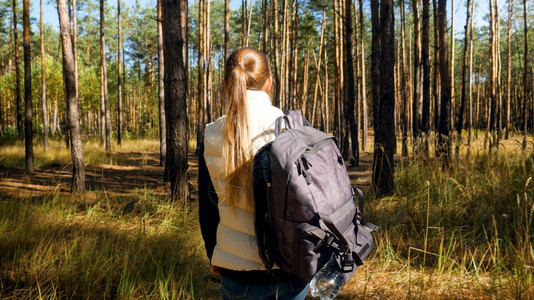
{"x": 245, "y": 69}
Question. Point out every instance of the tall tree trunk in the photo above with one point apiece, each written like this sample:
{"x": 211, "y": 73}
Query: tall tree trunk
{"x": 265, "y": 7}
{"x": 403, "y": 86}
{"x": 525, "y": 76}
{"x": 436, "y": 82}
{"x": 416, "y": 116}
{"x": 276, "y": 52}
{"x": 28, "y": 126}
{"x": 365, "y": 119}
{"x": 425, "y": 61}
{"x": 175, "y": 97}
{"x": 509, "y": 70}
{"x": 451, "y": 63}
{"x": 470, "y": 125}
{"x": 243, "y": 21}
{"x": 493, "y": 75}
{"x": 161, "y": 91}
{"x": 17, "y": 72}
{"x": 104, "y": 80}
{"x": 464, "y": 74}
{"x": 249, "y": 17}
{"x": 498, "y": 71}
{"x": 385, "y": 137}
{"x": 119, "y": 69}
{"x": 74, "y": 39}
{"x": 200, "y": 65}
{"x": 349, "y": 85}
{"x": 444, "y": 141}
{"x": 375, "y": 61}
{"x": 325, "y": 93}
{"x": 293, "y": 58}
{"x": 227, "y": 29}
{"x": 78, "y": 171}
{"x": 338, "y": 65}
{"x": 43, "y": 80}
{"x": 207, "y": 64}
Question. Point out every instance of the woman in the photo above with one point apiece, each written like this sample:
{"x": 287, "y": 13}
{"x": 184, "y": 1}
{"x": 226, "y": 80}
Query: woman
{"x": 226, "y": 208}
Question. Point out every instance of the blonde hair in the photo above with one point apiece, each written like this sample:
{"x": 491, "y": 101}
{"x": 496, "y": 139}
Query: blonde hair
{"x": 245, "y": 69}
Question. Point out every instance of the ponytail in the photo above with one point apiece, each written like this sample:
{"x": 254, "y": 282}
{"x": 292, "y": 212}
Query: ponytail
{"x": 246, "y": 68}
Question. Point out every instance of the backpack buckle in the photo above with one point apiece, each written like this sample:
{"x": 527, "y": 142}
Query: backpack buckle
{"x": 347, "y": 263}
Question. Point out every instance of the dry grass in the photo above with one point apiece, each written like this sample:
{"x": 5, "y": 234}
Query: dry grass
{"x": 464, "y": 233}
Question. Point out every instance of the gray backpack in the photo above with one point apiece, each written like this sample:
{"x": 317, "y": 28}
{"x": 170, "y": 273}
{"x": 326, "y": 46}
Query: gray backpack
{"x": 305, "y": 208}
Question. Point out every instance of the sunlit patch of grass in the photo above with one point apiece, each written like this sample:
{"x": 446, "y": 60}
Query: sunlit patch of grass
{"x": 61, "y": 246}
{"x": 12, "y": 153}
{"x": 469, "y": 228}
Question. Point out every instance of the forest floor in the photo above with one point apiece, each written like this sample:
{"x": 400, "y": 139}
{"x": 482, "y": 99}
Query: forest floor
{"x": 126, "y": 193}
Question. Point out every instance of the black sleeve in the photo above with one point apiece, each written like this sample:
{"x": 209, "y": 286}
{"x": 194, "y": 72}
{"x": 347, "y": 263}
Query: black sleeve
{"x": 208, "y": 211}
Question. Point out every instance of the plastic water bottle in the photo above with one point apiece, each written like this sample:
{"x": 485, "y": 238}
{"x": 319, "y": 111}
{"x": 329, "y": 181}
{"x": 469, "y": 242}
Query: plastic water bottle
{"x": 327, "y": 283}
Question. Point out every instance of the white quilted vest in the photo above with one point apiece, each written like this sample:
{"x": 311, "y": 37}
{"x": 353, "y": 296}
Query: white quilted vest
{"x": 236, "y": 247}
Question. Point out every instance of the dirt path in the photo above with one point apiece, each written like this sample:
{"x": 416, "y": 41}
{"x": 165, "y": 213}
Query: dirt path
{"x": 136, "y": 171}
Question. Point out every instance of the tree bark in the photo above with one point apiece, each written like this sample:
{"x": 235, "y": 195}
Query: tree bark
{"x": 104, "y": 80}
{"x": 375, "y": 61}
{"x": 425, "y": 61}
{"x": 28, "y": 126}
{"x": 249, "y": 17}
{"x": 365, "y": 118}
{"x": 119, "y": 72}
{"x": 451, "y": 63}
{"x": 403, "y": 85}
{"x": 436, "y": 81}
{"x": 17, "y": 72}
{"x": 175, "y": 81}
{"x": 464, "y": 73}
{"x": 161, "y": 91}
{"x": 276, "y": 50}
{"x": 227, "y": 29}
{"x": 444, "y": 141}
{"x": 493, "y": 75}
{"x": 349, "y": 85}
{"x": 509, "y": 71}
{"x": 265, "y": 7}
{"x": 43, "y": 80}
{"x": 385, "y": 136}
{"x": 525, "y": 75}
{"x": 416, "y": 115}
{"x": 402, "y": 62}
{"x": 470, "y": 125}
{"x": 78, "y": 172}
{"x": 74, "y": 39}
{"x": 201, "y": 70}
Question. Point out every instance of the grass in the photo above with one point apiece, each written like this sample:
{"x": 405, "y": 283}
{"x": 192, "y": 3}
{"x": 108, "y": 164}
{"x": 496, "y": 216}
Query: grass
{"x": 12, "y": 153}
{"x": 466, "y": 232}
{"x": 60, "y": 246}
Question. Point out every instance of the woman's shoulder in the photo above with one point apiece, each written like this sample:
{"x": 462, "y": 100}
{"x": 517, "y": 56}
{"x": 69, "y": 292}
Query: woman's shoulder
{"x": 213, "y": 133}
{"x": 215, "y": 126}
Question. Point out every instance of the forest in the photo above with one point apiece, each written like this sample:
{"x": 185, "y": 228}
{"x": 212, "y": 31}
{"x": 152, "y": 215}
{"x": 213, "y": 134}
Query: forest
{"x": 102, "y": 115}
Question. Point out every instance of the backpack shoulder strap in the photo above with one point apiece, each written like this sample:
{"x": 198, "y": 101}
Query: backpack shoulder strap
{"x": 290, "y": 119}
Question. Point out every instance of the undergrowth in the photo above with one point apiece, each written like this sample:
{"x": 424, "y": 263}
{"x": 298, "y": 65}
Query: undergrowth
{"x": 62, "y": 246}
{"x": 465, "y": 232}
{"x": 473, "y": 220}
